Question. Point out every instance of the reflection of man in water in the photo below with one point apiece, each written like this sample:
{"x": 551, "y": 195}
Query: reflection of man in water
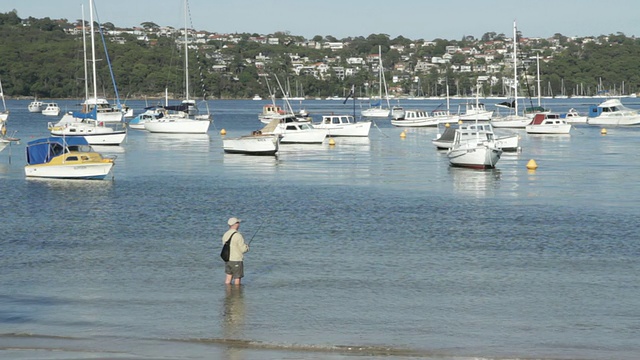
{"x": 233, "y": 315}
{"x": 233, "y": 322}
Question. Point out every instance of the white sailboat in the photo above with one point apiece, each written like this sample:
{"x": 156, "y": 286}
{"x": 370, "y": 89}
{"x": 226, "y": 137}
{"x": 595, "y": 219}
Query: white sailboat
{"x": 377, "y": 110}
{"x": 513, "y": 120}
{"x": 184, "y": 118}
{"x": 87, "y": 123}
{"x": 4, "y": 114}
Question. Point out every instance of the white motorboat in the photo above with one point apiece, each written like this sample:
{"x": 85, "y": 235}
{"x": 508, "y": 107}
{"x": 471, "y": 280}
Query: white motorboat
{"x": 474, "y": 148}
{"x": 574, "y": 117}
{"x": 612, "y": 113}
{"x": 415, "y": 118}
{"x": 444, "y": 116}
{"x": 151, "y": 113}
{"x": 343, "y": 125}
{"x": 254, "y": 144}
{"x": 257, "y": 97}
{"x": 295, "y": 132}
{"x": 36, "y": 106}
{"x": 444, "y": 140}
{"x": 397, "y": 112}
{"x": 271, "y": 112}
{"x": 548, "y": 123}
{"x": 51, "y": 109}
{"x": 476, "y": 111}
{"x": 66, "y": 158}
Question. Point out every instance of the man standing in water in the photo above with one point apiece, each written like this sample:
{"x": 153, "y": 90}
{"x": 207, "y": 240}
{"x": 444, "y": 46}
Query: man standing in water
{"x": 234, "y": 268}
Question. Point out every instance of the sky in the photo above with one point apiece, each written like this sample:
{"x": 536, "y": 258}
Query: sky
{"x": 412, "y": 19}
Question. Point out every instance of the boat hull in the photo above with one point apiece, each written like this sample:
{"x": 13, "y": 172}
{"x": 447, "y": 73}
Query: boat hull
{"x": 519, "y": 122}
{"x": 92, "y": 171}
{"x": 111, "y": 139}
{"x": 509, "y": 143}
{"x": 3, "y": 144}
{"x": 614, "y": 120}
{"x": 307, "y": 137}
{"x": 548, "y": 129}
{"x": 252, "y": 145}
{"x": 476, "y": 157}
{"x": 376, "y": 112}
{"x": 359, "y": 129}
{"x": 178, "y": 126}
{"x": 430, "y": 122}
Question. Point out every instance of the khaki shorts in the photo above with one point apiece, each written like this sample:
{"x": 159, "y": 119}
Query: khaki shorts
{"x": 234, "y": 268}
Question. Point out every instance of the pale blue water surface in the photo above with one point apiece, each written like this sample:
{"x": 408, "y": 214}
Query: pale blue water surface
{"x": 371, "y": 248}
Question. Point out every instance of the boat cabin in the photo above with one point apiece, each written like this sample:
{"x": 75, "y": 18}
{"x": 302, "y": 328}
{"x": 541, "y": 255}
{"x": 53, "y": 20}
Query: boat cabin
{"x": 415, "y": 114}
{"x": 337, "y": 119}
{"x": 550, "y": 119}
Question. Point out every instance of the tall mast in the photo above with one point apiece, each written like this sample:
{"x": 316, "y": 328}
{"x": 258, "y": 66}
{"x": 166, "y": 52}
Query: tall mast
{"x": 84, "y": 54}
{"x": 93, "y": 54}
{"x": 515, "y": 67}
{"x": 380, "y": 72}
{"x": 186, "y": 54}
{"x": 538, "y": 67}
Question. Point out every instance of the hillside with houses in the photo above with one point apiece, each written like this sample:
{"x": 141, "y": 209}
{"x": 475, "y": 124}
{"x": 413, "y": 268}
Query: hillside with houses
{"x": 41, "y": 56}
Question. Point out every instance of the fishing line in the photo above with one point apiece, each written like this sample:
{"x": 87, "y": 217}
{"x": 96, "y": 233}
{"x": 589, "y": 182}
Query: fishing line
{"x": 255, "y": 233}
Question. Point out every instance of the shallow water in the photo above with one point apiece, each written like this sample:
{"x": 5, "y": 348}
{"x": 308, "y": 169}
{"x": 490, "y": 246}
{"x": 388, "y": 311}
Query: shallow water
{"x": 370, "y": 248}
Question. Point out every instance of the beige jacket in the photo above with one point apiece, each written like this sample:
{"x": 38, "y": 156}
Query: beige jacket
{"x": 238, "y": 247}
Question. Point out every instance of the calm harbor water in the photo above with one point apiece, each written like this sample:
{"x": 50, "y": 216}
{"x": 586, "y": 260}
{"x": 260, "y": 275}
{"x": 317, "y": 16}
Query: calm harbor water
{"x": 372, "y": 248}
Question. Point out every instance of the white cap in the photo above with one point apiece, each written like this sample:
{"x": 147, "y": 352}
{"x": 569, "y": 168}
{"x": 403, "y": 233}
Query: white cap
{"x": 233, "y": 221}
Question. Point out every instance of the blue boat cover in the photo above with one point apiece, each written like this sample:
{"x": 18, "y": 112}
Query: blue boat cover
{"x": 90, "y": 115}
{"x": 41, "y": 151}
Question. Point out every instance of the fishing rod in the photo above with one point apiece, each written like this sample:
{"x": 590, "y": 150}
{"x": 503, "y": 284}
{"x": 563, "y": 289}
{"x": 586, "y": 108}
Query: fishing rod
{"x": 255, "y": 233}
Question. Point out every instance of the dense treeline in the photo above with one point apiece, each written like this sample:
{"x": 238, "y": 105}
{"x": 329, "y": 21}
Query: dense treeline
{"x": 41, "y": 59}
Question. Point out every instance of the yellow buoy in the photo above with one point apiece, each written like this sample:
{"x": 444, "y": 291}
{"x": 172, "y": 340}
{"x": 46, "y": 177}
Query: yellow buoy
{"x": 332, "y": 142}
{"x": 403, "y": 135}
{"x": 531, "y": 165}
{"x": 447, "y": 125}
{"x": 223, "y": 132}
{"x": 603, "y": 131}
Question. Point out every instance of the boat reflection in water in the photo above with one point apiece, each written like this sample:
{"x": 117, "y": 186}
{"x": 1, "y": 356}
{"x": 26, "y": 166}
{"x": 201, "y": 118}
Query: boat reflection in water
{"x": 476, "y": 182}
{"x": 177, "y": 141}
{"x": 251, "y": 164}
